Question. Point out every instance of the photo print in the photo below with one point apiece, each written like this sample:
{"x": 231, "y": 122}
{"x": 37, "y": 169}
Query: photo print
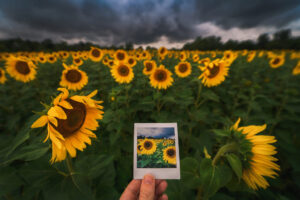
{"x": 156, "y": 150}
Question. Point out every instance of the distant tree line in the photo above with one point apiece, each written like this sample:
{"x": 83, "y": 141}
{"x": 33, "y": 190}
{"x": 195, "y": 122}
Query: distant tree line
{"x": 280, "y": 40}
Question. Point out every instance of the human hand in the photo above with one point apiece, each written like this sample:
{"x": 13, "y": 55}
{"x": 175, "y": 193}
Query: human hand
{"x": 146, "y": 189}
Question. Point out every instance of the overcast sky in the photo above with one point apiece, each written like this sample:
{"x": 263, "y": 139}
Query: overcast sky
{"x": 145, "y": 22}
{"x": 156, "y": 132}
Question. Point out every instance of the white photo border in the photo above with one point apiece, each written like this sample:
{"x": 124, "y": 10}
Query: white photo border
{"x": 159, "y": 173}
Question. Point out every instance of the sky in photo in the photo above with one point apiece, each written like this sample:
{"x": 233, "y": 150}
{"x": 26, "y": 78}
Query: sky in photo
{"x": 145, "y": 22}
{"x": 157, "y": 132}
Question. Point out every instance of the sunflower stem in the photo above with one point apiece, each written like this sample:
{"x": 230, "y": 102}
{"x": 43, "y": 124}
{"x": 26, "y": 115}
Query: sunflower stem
{"x": 200, "y": 86}
{"x": 229, "y": 147}
{"x": 199, "y": 193}
{"x": 71, "y": 171}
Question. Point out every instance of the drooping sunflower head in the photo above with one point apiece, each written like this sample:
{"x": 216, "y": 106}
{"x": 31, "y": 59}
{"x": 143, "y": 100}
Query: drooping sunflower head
{"x": 214, "y": 73}
{"x": 259, "y": 160}
{"x": 122, "y": 73}
{"x": 148, "y": 146}
{"x": 161, "y": 78}
{"x": 120, "y": 55}
{"x": 183, "y": 69}
{"x": 169, "y": 155}
{"x": 2, "y": 76}
{"x": 70, "y": 122}
{"x": 73, "y": 78}
{"x": 276, "y": 61}
{"x": 95, "y": 54}
{"x": 20, "y": 68}
{"x": 149, "y": 67}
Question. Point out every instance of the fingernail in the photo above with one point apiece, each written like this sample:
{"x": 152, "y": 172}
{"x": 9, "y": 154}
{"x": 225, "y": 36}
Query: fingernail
{"x": 148, "y": 179}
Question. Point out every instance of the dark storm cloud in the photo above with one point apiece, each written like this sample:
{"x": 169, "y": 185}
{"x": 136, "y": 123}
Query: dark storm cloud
{"x": 116, "y": 21}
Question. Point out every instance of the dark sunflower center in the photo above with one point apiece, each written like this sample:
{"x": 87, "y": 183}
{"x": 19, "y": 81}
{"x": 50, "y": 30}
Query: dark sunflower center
{"x": 171, "y": 153}
{"x": 22, "y": 67}
{"x": 149, "y": 66}
{"x": 148, "y": 145}
{"x": 213, "y": 71}
{"x": 41, "y": 58}
{"x": 160, "y": 75}
{"x": 0, "y": 73}
{"x": 111, "y": 63}
{"x": 276, "y": 61}
{"x": 74, "y": 121}
{"x": 183, "y": 68}
{"x": 130, "y": 61}
{"x": 162, "y": 50}
{"x": 140, "y": 147}
{"x": 51, "y": 58}
{"x": 77, "y": 60}
{"x": 227, "y": 56}
{"x": 65, "y": 54}
{"x": 96, "y": 53}
{"x": 181, "y": 56}
{"x": 120, "y": 56}
{"x": 123, "y": 70}
{"x": 144, "y": 55}
{"x": 73, "y": 76}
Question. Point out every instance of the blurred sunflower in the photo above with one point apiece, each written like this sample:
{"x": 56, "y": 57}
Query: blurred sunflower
{"x": 111, "y": 63}
{"x": 70, "y": 122}
{"x": 131, "y": 61}
{"x": 162, "y": 52}
{"x": 148, "y": 146}
{"x": 95, "y": 54}
{"x": 150, "y": 66}
{"x": 161, "y": 78}
{"x": 195, "y": 57}
{"x": 21, "y": 68}
{"x": 183, "y": 69}
{"x": 122, "y": 73}
{"x": 261, "y": 162}
{"x": 228, "y": 55}
{"x": 73, "y": 78}
{"x": 120, "y": 55}
{"x": 214, "y": 73}
{"x": 251, "y": 56}
{"x": 182, "y": 56}
{"x": 64, "y": 54}
{"x": 51, "y": 58}
{"x": 296, "y": 69}
{"x": 77, "y": 61}
{"x": 169, "y": 155}
{"x": 276, "y": 61}
{"x": 2, "y": 76}
{"x": 41, "y": 58}
{"x": 139, "y": 149}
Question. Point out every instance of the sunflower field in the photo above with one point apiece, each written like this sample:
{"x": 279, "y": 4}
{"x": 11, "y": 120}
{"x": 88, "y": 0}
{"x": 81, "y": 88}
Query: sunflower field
{"x": 66, "y": 125}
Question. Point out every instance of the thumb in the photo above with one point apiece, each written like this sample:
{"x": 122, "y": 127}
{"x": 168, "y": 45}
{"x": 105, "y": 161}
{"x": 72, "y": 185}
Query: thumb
{"x": 147, "y": 191}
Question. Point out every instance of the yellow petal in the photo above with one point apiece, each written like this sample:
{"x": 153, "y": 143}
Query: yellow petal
{"x": 65, "y": 92}
{"x": 53, "y": 120}
{"x": 58, "y": 112}
{"x": 236, "y": 125}
{"x": 92, "y": 94}
{"x": 65, "y": 104}
{"x": 42, "y": 121}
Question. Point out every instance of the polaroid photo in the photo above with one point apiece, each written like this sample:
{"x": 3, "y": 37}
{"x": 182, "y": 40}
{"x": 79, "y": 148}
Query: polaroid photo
{"x": 156, "y": 150}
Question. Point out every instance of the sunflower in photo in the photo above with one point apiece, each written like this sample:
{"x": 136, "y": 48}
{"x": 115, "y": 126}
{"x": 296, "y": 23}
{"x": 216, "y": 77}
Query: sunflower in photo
{"x": 21, "y": 68}
{"x": 131, "y": 61}
{"x": 73, "y": 78}
{"x": 145, "y": 55}
{"x": 169, "y": 155}
{"x": 41, "y": 58}
{"x": 149, "y": 67}
{"x": 183, "y": 69}
{"x": 195, "y": 57}
{"x": 261, "y": 162}
{"x": 64, "y": 54}
{"x": 120, "y": 55}
{"x": 95, "y": 54}
{"x": 161, "y": 78}
{"x": 139, "y": 149}
{"x": 70, "y": 122}
{"x": 251, "y": 56}
{"x": 228, "y": 55}
{"x": 77, "y": 61}
{"x": 111, "y": 63}
{"x": 162, "y": 52}
{"x": 182, "y": 56}
{"x": 296, "y": 69}
{"x": 276, "y": 61}
{"x": 51, "y": 58}
{"x": 148, "y": 146}
{"x": 214, "y": 73}
{"x": 122, "y": 73}
{"x": 2, "y": 76}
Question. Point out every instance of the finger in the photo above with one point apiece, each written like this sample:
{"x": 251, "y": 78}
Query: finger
{"x": 147, "y": 188}
{"x": 157, "y": 182}
{"x": 161, "y": 188}
{"x": 164, "y": 197}
{"x": 132, "y": 190}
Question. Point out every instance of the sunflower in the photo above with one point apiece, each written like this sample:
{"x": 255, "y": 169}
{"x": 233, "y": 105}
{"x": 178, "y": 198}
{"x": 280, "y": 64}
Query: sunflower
{"x": 95, "y": 54}
{"x": 182, "y": 56}
{"x": 21, "y": 68}
{"x": 195, "y": 57}
{"x": 122, "y": 73}
{"x": 183, "y": 69}
{"x": 131, "y": 61}
{"x": 120, "y": 55}
{"x": 110, "y": 63}
{"x": 148, "y": 146}
{"x": 70, "y": 122}
{"x": 162, "y": 52}
{"x": 228, "y": 55}
{"x": 77, "y": 61}
{"x": 170, "y": 155}
{"x": 150, "y": 66}
{"x": 276, "y": 61}
{"x": 73, "y": 78}
{"x": 251, "y": 56}
{"x": 214, "y": 73}
{"x": 161, "y": 78}
{"x": 64, "y": 54}
{"x": 261, "y": 162}
{"x": 51, "y": 58}
{"x": 296, "y": 70}
{"x": 139, "y": 149}
{"x": 2, "y": 76}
